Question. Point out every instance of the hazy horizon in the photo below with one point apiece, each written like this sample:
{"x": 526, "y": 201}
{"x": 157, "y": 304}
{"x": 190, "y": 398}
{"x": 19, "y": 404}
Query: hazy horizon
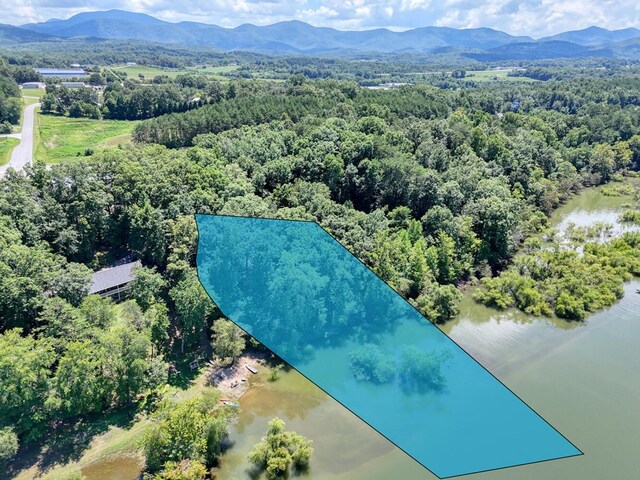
{"x": 534, "y": 18}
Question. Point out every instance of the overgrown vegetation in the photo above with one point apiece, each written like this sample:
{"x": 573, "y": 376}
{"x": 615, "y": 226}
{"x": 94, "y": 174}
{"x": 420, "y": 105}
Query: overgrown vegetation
{"x": 10, "y": 104}
{"x": 557, "y": 279}
{"x": 191, "y": 431}
{"x": 280, "y": 450}
{"x": 430, "y": 187}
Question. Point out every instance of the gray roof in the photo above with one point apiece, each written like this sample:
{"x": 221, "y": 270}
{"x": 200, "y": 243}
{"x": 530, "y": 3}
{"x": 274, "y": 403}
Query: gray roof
{"x": 65, "y": 71}
{"x": 112, "y": 277}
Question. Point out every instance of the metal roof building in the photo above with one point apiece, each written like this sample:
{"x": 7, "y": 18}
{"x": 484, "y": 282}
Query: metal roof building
{"x": 33, "y": 85}
{"x": 74, "y": 84}
{"x": 61, "y": 72}
{"x": 113, "y": 281}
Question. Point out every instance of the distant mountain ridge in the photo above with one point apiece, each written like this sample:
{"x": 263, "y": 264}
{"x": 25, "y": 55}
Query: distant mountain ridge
{"x": 284, "y": 37}
{"x": 295, "y": 37}
{"x": 594, "y": 36}
{"x": 13, "y": 34}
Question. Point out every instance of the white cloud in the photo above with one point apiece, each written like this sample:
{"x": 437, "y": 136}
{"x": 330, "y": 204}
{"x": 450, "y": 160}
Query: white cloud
{"x": 524, "y": 17}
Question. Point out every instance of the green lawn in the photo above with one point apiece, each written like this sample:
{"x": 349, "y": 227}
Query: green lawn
{"x": 6, "y": 147}
{"x": 59, "y": 138}
{"x": 150, "y": 72}
{"x": 35, "y": 92}
{"x": 493, "y": 75}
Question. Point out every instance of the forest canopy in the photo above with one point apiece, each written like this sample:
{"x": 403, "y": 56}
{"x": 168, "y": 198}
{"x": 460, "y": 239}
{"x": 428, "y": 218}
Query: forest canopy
{"x": 432, "y": 188}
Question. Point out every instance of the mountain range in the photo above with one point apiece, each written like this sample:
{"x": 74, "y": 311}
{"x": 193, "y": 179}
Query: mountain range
{"x": 295, "y": 37}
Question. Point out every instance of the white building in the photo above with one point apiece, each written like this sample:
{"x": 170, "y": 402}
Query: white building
{"x": 33, "y": 85}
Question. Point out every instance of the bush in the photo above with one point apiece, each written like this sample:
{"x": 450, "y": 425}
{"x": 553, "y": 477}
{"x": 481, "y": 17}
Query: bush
{"x": 186, "y": 431}
{"x": 8, "y": 444}
{"x": 421, "y": 371}
{"x": 279, "y": 450}
{"x": 184, "y": 470}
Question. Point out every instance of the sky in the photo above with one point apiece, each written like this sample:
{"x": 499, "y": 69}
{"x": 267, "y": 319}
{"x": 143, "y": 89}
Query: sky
{"x": 535, "y": 18}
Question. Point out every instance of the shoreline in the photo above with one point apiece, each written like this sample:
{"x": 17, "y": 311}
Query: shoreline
{"x": 235, "y": 380}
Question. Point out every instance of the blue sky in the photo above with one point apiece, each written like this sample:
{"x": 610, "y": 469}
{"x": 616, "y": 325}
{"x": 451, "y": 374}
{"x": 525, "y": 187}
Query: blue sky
{"x": 522, "y": 17}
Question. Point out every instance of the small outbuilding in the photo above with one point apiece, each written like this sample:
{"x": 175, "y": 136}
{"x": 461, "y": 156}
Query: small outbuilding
{"x": 114, "y": 282}
{"x": 74, "y": 84}
{"x": 33, "y": 85}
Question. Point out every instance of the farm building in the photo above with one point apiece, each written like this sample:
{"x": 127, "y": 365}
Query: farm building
{"x": 62, "y": 72}
{"x": 114, "y": 282}
{"x": 32, "y": 85}
{"x": 74, "y": 84}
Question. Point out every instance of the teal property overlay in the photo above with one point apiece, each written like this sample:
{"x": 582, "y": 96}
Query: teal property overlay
{"x": 299, "y": 292}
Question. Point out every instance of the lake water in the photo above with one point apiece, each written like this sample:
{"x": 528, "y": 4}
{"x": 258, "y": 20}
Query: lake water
{"x": 581, "y": 377}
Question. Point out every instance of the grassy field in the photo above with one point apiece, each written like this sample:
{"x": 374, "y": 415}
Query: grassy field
{"x": 89, "y": 443}
{"x": 58, "y": 139}
{"x": 493, "y": 75}
{"x": 6, "y": 147}
{"x": 35, "y": 92}
{"x": 150, "y": 72}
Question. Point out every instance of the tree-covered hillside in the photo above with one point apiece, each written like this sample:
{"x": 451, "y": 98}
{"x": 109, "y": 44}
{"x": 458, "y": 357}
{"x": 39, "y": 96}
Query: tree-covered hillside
{"x": 432, "y": 188}
{"x": 10, "y": 105}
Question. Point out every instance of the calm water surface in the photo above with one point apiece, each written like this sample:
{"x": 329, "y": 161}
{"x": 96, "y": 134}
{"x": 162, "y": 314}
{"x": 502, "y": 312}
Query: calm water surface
{"x": 582, "y": 377}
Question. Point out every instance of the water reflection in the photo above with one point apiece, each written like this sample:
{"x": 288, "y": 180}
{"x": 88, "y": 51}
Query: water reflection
{"x": 582, "y": 377}
{"x": 304, "y": 296}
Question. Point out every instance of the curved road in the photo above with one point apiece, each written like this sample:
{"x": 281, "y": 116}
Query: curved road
{"x": 22, "y": 155}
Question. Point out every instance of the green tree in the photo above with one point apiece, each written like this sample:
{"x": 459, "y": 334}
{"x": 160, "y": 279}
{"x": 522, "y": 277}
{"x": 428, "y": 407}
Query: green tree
{"x": 183, "y": 470}
{"x": 147, "y": 286}
{"x": 186, "y": 431}
{"x": 8, "y": 444}
{"x": 193, "y": 305}
{"x": 603, "y": 161}
{"x": 279, "y": 450}
{"x": 228, "y": 339}
{"x": 79, "y": 384}
{"x": 25, "y": 370}
{"x": 158, "y": 320}
{"x": 147, "y": 234}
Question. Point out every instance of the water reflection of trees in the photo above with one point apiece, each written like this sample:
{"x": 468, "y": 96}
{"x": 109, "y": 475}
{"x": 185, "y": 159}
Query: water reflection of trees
{"x": 291, "y": 285}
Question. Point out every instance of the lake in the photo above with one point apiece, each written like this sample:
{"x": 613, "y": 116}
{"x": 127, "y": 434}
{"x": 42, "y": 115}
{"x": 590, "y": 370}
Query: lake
{"x": 581, "y": 377}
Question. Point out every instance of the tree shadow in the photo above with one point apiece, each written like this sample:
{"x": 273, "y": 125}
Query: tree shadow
{"x": 66, "y": 441}
{"x": 181, "y": 375}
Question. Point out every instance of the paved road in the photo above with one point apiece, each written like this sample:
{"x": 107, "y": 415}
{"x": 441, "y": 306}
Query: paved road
{"x": 22, "y": 155}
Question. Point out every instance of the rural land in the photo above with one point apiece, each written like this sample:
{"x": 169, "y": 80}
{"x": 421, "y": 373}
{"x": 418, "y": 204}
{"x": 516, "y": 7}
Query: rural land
{"x": 492, "y": 181}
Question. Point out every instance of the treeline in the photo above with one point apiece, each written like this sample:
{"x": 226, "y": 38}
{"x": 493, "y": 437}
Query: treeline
{"x": 597, "y": 107}
{"x": 125, "y": 98}
{"x": 430, "y": 188}
{"x": 138, "y": 102}
{"x": 557, "y": 280}
{"x": 76, "y": 102}
{"x": 179, "y": 130}
{"x": 10, "y": 104}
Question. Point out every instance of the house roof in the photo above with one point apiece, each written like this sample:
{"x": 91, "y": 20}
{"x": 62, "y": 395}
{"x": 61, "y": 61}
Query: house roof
{"x": 112, "y": 277}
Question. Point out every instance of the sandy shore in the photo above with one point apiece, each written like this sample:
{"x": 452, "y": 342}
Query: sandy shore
{"x": 234, "y": 380}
